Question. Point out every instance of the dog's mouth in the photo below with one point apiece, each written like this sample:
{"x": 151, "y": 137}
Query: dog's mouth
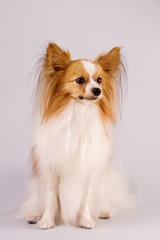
{"x": 90, "y": 99}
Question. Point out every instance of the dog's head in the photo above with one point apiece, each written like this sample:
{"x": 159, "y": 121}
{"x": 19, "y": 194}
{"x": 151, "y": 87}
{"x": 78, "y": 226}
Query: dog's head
{"x": 82, "y": 80}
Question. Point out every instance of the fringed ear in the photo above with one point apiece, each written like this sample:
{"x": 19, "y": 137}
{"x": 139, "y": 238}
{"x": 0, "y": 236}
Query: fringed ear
{"x": 110, "y": 62}
{"x": 55, "y": 61}
{"x": 113, "y": 68}
{"x": 57, "y": 58}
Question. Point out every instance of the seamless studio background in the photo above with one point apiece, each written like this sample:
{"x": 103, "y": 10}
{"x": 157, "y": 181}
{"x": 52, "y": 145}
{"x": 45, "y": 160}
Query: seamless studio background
{"x": 86, "y": 28}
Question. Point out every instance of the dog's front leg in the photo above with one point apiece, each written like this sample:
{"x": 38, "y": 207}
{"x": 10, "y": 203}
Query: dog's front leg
{"x": 50, "y": 205}
{"x": 85, "y": 219}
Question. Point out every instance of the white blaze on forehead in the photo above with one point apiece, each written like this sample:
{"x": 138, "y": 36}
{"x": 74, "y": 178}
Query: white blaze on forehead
{"x": 89, "y": 67}
{"x": 91, "y": 70}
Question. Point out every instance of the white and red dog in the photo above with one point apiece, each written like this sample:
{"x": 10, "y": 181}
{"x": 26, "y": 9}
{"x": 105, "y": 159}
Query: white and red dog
{"x": 73, "y": 177}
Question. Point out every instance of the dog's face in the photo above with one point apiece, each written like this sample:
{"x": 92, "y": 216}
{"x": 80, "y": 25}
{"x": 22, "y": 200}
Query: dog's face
{"x": 82, "y": 80}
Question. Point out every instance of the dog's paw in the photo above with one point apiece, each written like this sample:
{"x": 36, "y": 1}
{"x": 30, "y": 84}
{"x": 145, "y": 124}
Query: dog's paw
{"x": 104, "y": 215}
{"x": 33, "y": 218}
{"x": 86, "y": 223}
{"x": 46, "y": 223}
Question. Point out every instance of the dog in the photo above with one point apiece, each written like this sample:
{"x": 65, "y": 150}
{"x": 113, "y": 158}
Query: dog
{"x": 73, "y": 174}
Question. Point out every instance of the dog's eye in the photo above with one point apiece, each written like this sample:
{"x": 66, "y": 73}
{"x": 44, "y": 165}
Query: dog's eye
{"x": 80, "y": 80}
{"x": 99, "y": 80}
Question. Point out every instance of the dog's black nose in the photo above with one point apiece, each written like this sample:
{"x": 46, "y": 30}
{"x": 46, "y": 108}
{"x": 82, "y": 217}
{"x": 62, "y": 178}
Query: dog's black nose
{"x": 96, "y": 91}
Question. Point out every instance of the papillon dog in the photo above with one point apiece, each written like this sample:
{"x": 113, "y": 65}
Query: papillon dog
{"x": 73, "y": 175}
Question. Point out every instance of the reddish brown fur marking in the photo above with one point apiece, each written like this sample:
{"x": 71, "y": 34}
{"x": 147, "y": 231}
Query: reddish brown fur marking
{"x": 57, "y": 85}
{"x": 110, "y": 64}
{"x": 51, "y": 97}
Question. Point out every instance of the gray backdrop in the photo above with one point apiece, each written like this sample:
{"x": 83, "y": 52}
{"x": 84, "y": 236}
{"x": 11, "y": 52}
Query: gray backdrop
{"x": 86, "y": 28}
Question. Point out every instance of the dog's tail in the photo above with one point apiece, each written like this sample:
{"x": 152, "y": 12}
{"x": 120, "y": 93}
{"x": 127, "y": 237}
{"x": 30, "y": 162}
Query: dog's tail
{"x": 116, "y": 194}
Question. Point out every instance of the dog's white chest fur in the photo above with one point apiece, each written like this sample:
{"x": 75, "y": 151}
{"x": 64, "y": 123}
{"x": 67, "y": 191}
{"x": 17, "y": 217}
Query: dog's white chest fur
{"x": 76, "y": 139}
{"x": 73, "y": 153}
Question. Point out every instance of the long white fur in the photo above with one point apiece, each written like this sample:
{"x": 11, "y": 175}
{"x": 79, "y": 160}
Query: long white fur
{"x": 75, "y": 169}
{"x": 74, "y": 153}
{"x": 71, "y": 146}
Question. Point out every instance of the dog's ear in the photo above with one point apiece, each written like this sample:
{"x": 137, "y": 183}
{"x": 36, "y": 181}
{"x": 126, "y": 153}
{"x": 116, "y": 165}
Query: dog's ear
{"x": 57, "y": 58}
{"x": 110, "y": 62}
